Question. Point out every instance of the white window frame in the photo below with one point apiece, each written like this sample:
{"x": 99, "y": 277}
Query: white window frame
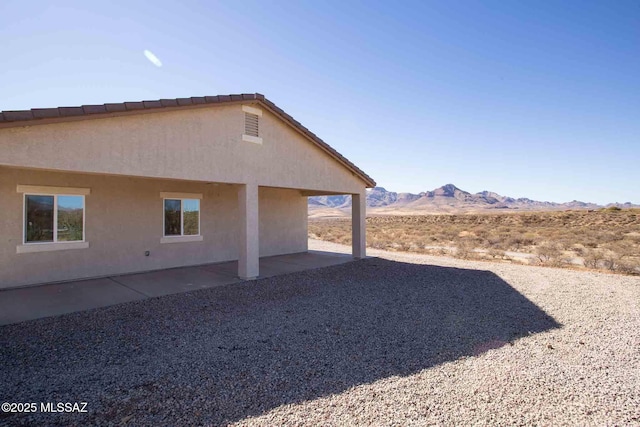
{"x": 55, "y": 192}
{"x": 182, "y": 238}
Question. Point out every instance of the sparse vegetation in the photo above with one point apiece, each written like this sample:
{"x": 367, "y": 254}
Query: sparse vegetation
{"x": 607, "y": 240}
{"x": 70, "y": 225}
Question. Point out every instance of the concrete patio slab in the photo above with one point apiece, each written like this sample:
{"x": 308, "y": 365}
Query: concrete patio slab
{"x": 173, "y": 281}
{"x": 274, "y": 267}
{"x": 314, "y": 259}
{"x": 283, "y": 264}
{"x": 18, "y": 305}
{"x": 229, "y": 268}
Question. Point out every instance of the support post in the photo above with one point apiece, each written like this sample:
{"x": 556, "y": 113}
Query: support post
{"x": 359, "y": 225}
{"x": 249, "y": 257}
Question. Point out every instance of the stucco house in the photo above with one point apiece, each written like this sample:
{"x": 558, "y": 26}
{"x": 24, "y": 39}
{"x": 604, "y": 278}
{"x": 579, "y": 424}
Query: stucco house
{"x": 99, "y": 190}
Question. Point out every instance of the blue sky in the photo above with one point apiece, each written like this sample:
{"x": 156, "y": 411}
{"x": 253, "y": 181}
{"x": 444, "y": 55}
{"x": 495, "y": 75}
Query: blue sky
{"x": 528, "y": 99}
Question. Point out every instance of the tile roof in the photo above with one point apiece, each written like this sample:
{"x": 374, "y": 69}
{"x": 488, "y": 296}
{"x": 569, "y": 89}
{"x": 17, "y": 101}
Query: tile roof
{"x": 29, "y": 117}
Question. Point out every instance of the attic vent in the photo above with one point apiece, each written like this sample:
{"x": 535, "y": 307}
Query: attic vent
{"x": 251, "y": 124}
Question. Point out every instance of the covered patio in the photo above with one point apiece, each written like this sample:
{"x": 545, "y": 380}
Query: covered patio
{"x": 35, "y": 302}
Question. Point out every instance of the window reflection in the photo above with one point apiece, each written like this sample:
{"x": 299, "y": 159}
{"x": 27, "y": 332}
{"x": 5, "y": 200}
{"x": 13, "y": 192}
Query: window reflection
{"x": 172, "y": 217}
{"x": 191, "y": 217}
{"x": 39, "y": 218}
{"x": 70, "y": 218}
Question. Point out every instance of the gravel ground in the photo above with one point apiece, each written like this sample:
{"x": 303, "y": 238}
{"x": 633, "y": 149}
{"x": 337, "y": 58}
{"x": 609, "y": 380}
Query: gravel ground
{"x": 398, "y": 340}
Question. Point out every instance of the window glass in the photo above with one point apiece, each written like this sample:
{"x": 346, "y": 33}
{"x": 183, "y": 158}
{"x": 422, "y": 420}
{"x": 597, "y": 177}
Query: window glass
{"x": 70, "y": 218}
{"x": 39, "y": 218}
{"x": 172, "y": 217}
{"x": 191, "y": 217}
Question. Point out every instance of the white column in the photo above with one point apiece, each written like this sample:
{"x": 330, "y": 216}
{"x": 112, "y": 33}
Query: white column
{"x": 359, "y": 225}
{"x": 249, "y": 259}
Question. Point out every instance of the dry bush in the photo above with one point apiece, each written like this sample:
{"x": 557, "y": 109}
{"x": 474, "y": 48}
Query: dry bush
{"x": 592, "y": 258}
{"x": 579, "y": 251}
{"x": 376, "y": 243}
{"x": 515, "y": 243}
{"x": 548, "y": 253}
{"x": 442, "y": 252}
{"x": 405, "y": 246}
{"x": 497, "y": 254}
{"x": 495, "y": 241}
{"x": 629, "y": 267}
{"x": 603, "y": 239}
{"x": 464, "y": 249}
{"x": 565, "y": 243}
{"x": 619, "y": 257}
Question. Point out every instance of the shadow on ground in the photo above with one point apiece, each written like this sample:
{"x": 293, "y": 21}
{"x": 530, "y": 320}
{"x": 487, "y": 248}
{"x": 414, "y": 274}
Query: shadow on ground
{"x": 223, "y": 354}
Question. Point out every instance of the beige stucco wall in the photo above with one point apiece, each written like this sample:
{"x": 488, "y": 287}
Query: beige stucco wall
{"x": 201, "y": 144}
{"x": 124, "y": 219}
{"x": 283, "y": 221}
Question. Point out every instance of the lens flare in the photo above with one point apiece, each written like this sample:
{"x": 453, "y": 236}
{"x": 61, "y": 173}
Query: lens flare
{"x": 151, "y": 57}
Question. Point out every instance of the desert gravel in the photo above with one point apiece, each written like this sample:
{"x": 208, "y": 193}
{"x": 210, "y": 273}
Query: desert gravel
{"x": 397, "y": 340}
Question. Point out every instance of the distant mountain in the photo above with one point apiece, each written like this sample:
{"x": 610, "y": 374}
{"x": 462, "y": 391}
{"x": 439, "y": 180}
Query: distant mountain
{"x": 340, "y": 201}
{"x": 314, "y": 201}
{"x": 449, "y": 198}
{"x": 378, "y": 196}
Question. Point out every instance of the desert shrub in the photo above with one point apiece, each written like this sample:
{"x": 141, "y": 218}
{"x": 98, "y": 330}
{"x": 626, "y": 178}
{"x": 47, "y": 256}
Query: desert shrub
{"x": 633, "y": 239}
{"x": 589, "y": 235}
{"x": 405, "y": 246}
{"x": 592, "y": 258}
{"x": 548, "y": 253}
{"x": 611, "y": 261}
{"x": 518, "y": 242}
{"x": 533, "y": 261}
{"x": 494, "y": 241}
{"x": 481, "y": 233}
{"x": 497, "y": 254}
{"x": 377, "y": 243}
{"x": 628, "y": 267}
{"x": 609, "y": 237}
{"x": 562, "y": 261}
{"x": 464, "y": 249}
{"x": 619, "y": 257}
{"x": 344, "y": 240}
{"x": 420, "y": 244}
{"x": 579, "y": 251}
{"x": 565, "y": 244}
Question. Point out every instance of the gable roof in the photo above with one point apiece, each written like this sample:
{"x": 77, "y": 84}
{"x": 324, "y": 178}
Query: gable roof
{"x": 36, "y": 116}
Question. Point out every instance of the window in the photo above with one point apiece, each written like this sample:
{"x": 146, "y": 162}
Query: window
{"x": 252, "y": 124}
{"x": 181, "y": 217}
{"x": 54, "y": 218}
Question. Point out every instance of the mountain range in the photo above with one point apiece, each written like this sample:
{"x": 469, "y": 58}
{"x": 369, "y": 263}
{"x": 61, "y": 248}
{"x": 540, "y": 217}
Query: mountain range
{"x": 447, "y": 199}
